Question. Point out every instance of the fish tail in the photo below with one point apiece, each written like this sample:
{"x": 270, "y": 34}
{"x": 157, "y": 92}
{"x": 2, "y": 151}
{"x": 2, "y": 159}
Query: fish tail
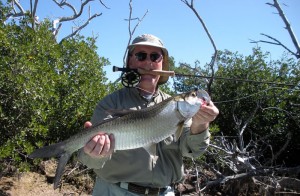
{"x": 63, "y": 160}
{"x": 54, "y": 150}
{"x": 48, "y": 151}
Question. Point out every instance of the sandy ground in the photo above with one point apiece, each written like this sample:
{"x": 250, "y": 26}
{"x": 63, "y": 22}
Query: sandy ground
{"x": 31, "y": 184}
{"x": 36, "y": 184}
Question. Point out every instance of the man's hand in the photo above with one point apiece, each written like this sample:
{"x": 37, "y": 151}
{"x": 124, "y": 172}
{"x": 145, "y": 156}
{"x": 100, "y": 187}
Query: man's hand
{"x": 101, "y": 145}
{"x": 204, "y": 116}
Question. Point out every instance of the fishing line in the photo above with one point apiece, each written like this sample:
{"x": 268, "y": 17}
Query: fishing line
{"x": 235, "y": 79}
{"x": 137, "y": 87}
{"x": 254, "y": 94}
{"x": 131, "y": 78}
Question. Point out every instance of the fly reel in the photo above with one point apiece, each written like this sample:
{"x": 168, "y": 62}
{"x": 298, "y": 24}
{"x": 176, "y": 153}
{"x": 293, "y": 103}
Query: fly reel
{"x": 129, "y": 77}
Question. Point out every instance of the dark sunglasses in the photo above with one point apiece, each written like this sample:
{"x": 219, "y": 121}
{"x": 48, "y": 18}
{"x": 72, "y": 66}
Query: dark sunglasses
{"x": 154, "y": 57}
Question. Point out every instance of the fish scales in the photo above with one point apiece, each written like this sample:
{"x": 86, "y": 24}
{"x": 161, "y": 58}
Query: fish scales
{"x": 143, "y": 131}
{"x": 119, "y": 126}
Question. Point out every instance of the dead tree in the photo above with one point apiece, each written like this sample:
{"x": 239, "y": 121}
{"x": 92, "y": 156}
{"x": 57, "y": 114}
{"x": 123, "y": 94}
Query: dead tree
{"x": 17, "y": 11}
{"x": 235, "y": 164}
{"x": 288, "y": 27}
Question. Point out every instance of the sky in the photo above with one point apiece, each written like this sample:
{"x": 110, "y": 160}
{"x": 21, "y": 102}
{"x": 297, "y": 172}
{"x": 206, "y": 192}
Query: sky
{"x": 231, "y": 23}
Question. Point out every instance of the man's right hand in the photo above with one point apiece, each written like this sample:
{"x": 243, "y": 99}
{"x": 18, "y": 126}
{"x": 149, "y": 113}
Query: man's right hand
{"x": 101, "y": 145}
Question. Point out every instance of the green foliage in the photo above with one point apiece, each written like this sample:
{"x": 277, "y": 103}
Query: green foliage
{"x": 267, "y": 106}
{"x": 47, "y": 90}
{"x": 184, "y": 84}
{"x": 272, "y": 110}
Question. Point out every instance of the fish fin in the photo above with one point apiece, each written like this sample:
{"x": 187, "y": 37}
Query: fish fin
{"x": 63, "y": 160}
{"x": 178, "y": 131}
{"x": 53, "y": 150}
{"x": 119, "y": 113}
{"x": 151, "y": 149}
{"x": 169, "y": 140}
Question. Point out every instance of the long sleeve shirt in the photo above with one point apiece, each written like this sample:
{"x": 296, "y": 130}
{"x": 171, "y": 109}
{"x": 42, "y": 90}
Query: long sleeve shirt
{"x": 136, "y": 165}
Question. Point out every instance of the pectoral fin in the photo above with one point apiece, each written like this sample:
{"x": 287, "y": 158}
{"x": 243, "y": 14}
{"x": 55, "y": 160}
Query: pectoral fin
{"x": 151, "y": 149}
{"x": 179, "y": 131}
{"x": 119, "y": 113}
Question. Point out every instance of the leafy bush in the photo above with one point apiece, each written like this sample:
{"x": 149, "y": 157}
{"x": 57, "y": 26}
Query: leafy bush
{"x": 47, "y": 90}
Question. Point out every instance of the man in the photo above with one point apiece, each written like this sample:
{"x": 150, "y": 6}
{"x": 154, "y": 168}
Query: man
{"x": 135, "y": 172}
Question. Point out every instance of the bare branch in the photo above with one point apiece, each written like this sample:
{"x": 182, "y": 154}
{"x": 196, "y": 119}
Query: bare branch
{"x": 81, "y": 27}
{"x": 276, "y": 42}
{"x": 214, "y": 57}
{"x": 104, "y": 5}
{"x": 259, "y": 172}
{"x": 18, "y": 11}
{"x": 75, "y": 13}
{"x": 287, "y": 27}
{"x": 131, "y": 32}
{"x": 34, "y": 8}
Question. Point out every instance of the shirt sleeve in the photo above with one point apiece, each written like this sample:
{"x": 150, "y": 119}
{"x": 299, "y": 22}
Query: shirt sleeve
{"x": 90, "y": 162}
{"x": 193, "y": 146}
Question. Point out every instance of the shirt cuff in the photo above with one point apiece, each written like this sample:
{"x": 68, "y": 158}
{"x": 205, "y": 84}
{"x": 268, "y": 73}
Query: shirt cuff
{"x": 198, "y": 143}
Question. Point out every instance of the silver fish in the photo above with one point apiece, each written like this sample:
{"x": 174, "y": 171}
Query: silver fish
{"x": 134, "y": 129}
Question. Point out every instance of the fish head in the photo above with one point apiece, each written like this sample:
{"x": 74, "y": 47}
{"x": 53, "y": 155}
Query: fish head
{"x": 191, "y": 102}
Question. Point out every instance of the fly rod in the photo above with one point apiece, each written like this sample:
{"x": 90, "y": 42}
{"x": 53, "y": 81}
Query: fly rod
{"x": 172, "y": 73}
{"x": 143, "y": 71}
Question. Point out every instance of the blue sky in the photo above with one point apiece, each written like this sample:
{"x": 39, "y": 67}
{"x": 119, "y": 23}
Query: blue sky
{"x": 232, "y": 23}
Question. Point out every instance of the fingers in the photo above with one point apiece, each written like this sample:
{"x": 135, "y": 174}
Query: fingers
{"x": 209, "y": 112}
{"x": 87, "y": 124}
{"x": 206, "y": 114}
{"x": 100, "y": 145}
{"x": 110, "y": 145}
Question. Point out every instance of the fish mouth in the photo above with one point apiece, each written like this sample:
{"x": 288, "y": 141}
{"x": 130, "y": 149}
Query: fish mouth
{"x": 203, "y": 96}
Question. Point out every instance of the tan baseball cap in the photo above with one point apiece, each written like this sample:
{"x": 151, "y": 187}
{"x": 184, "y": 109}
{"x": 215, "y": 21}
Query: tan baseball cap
{"x": 151, "y": 40}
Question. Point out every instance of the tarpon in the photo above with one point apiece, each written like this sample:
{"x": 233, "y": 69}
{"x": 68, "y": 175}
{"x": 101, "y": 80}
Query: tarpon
{"x": 133, "y": 129}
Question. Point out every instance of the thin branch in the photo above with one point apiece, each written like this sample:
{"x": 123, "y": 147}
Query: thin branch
{"x": 276, "y": 42}
{"x": 104, "y": 5}
{"x": 257, "y": 172}
{"x": 75, "y": 13}
{"x": 74, "y": 16}
{"x": 81, "y": 27}
{"x": 214, "y": 57}
{"x": 131, "y": 32}
{"x": 18, "y": 11}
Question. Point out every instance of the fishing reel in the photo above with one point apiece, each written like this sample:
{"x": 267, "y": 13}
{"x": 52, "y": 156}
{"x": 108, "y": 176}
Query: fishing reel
{"x": 129, "y": 77}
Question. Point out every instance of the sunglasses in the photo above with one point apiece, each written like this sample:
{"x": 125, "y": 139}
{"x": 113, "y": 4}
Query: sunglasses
{"x": 154, "y": 57}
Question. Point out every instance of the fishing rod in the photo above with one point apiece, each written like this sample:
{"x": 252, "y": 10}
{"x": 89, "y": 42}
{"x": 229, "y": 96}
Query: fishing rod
{"x": 131, "y": 77}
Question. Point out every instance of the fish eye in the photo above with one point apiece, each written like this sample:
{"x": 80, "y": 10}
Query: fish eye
{"x": 193, "y": 94}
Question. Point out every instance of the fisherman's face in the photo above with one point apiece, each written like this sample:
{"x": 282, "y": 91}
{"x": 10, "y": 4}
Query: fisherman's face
{"x": 148, "y": 58}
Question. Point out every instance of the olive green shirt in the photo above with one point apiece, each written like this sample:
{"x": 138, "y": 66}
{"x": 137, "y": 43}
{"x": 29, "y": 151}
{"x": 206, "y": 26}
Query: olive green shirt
{"x": 136, "y": 165}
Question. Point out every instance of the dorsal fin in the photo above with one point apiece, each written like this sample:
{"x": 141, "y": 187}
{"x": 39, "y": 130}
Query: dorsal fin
{"x": 119, "y": 113}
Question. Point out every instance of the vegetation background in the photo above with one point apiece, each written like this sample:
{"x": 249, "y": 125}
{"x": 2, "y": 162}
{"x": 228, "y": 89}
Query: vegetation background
{"x": 49, "y": 89}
